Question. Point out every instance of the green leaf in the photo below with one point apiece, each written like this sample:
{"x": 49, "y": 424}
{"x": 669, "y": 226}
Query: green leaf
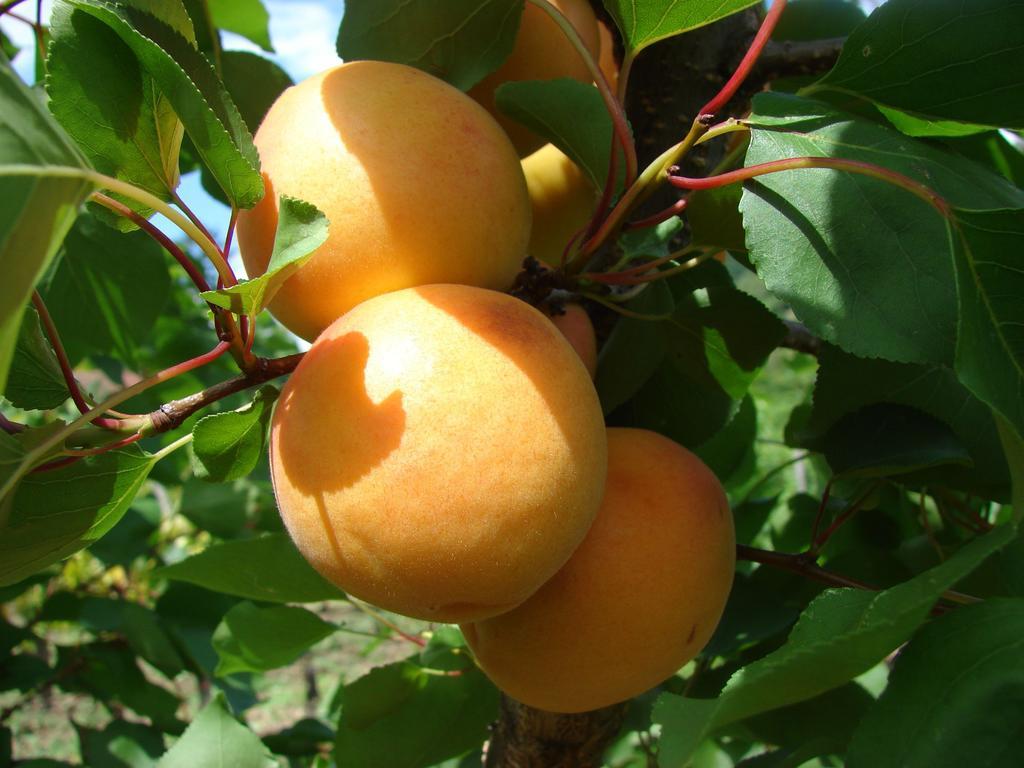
{"x": 847, "y": 384}
{"x": 829, "y": 720}
{"x": 219, "y": 509}
{"x": 939, "y": 58}
{"x": 141, "y": 627}
{"x": 215, "y": 739}
{"x": 226, "y": 446}
{"x": 995, "y": 152}
{"x": 301, "y": 229}
{"x": 190, "y": 83}
{"x": 120, "y": 744}
{"x": 955, "y": 696}
{"x": 56, "y": 513}
{"x": 113, "y": 109}
{"x": 107, "y": 290}
{"x": 714, "y": 218}
{"x": 644, "y": 23}
{"x": 459, "y": 41}
{"x": 569, "y": 114}
{"x": 438, "y": 716}
{"x": 861, "y": 262}
{"x": 917, "y": 126}
{"x": 990, "y": 279}
{"x": 841, "y": 634}
{"x": 43, "y": 181}
{"x": 247, "y": 18}
{"x": 253, "y": 639}
{"x": 268, "y": 568}
{"x": 883, "y": 440}
{"x": 716, "y": 341}
{"x": 818, "y": 19}
{"x": 305, "y": 738}
{"x": 253, "y": 82}
{"x": 35, "y": 381}
{"x": 633, "y": 353}
{"x": 110, "y": 673}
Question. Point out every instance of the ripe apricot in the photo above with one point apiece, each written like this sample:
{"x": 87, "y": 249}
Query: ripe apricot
{"x": 439, "y": 452}
{"x": 419, "y": 185}
{"x": 575, "y": 325}
{"x": 541, "y": 52}
{"x": 638, "y": 599}
{"x": 562, "y": 198}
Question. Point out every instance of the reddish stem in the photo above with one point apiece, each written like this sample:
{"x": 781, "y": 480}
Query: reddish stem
{"x": 65, "y": 365}
{"x": 81, "y": 452}
{"x": 195, "y": 362}
{"x": 151, "y": 229}
{"x": 202, "y": 228}
{"x": 747, "y": 64}
{"x": 821, "y": 509}
{"x": 845, "y": 515}
{"x": 8, "y": 6}
{"x": 831, "y": 163}
{"x": 57, "y": 464}
{"x": 11, "y": 427}
{"x": 673, "y": 210}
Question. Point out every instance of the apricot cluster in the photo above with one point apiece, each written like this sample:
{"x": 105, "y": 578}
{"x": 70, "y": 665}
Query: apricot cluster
{"x": 440, "y": 451}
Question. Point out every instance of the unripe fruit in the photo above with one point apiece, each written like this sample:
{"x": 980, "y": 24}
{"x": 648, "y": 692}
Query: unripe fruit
{"x": 541, "y": 52}
{"x": 639, "y": 598}
{"x": 439, "y": 452}
{"x": 419, "y": 185}
{"x": 575, "y": 325}
{"x": 562, "y": 198}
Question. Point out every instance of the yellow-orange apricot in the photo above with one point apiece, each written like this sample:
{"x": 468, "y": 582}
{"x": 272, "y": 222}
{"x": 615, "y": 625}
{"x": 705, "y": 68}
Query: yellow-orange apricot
{"x": 575, "y": 325}
{"x": 439, "y": 452}
{"x": 562, "y": 198}
{"x": 541, "y": 52}
{"x": 638, "y": 599}
{"x": 419, "y": 185}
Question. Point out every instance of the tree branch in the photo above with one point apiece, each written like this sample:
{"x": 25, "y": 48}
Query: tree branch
{"x": 171, "y": 415}
{"x": 799, "y": 338}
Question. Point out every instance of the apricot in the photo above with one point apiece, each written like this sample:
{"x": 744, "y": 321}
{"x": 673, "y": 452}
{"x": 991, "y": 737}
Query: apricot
{"x": 418, "y": 182}
{"x": 439, "y": 452}
{"x": 562, "y": 199}
{"x": 639, "y": 598}
{"x": 574, "y": 323}
{"x": 541, "y": 52}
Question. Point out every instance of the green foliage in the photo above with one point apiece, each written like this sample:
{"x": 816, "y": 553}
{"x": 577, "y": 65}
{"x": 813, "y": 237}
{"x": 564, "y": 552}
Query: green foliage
{"x": 153, "y": 594}
{"x": 460, "y": 41}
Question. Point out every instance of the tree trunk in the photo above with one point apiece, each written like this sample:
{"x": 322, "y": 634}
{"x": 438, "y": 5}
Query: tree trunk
{"x": 525, "y": 737}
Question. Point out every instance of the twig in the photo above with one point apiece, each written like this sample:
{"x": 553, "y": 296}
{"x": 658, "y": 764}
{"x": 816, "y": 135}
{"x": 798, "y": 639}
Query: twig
{"x": 799, "y": 338}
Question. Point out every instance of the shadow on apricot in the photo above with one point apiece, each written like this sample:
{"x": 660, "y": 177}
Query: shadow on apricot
{"x": 327, "y": 396}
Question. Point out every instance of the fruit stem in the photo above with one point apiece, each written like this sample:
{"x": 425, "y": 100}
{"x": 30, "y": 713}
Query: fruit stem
{"x": 32, "y": 456}
{"x": 381, "y": 619}
{"x": 728, "y": 90}
{"x": 50, "y": 329}
{"x": 673, "y": 210}
{"x": 832, "y": 163}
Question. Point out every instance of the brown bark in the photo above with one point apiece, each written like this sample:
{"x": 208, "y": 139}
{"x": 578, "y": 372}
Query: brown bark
{"x": 525, "y": 737}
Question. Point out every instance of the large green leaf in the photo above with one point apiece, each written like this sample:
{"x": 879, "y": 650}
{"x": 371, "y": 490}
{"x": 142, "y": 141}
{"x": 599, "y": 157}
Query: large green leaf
{"x": 268, "y": 568}
{"x": 644, "y": 23}
{"x": 190, "y": 83}
{"x": 847, "y": 384}
{"x": 459, "y": 41}
{"x": 438, "y": 716}
{"x": 254, "y": 84}
{"x": 113, "y": 109}
{"x": 56, "y": 513}
{"x": 107, "y": 290}
{"x": 989, "y": 258}
{"x": 43, "y": 181}
{"x": 842, "y": 634}
{"x": 120, "y": 744}
{"x": 863, "y": 264}
{"x": 35, "y": 381}
{"x": 215, "y": 739}
{"x": 942, "y": 58}
{"x": 955, "y": 696}
{"x": 254, "y": 639}
{"x": 569, "y": 114}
